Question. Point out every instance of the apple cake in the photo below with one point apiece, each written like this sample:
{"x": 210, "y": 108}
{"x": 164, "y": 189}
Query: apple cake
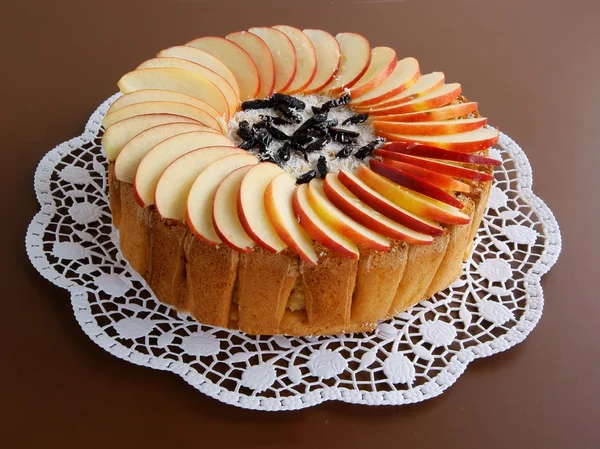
{"x": 281, "y": 181}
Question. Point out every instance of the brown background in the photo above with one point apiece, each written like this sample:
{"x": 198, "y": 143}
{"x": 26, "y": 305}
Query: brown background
{"x": 534, "y": 68}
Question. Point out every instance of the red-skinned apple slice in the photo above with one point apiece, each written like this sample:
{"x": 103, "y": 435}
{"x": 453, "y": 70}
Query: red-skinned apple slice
{"x": 224, "y": 214}
{"x": 261, "y": 55}
{"x": 383, "y": 62}
{"x": 178, "y": 80}
{"x": 278, "y": 204}
{"x": 431, "y": 128}
{"x": 412, "y": 201}
{"x": 384, "y": 206}
{"x": 158, "y": 159}
{"x": 432, "y": 177}
{"x": 469, "y": 142}
{"x": 354, "y": 62}
{"x": 161, "y": 107}
{"x": 404, "y": 75}
{"x": 318, "y": 229}
{"x": 306, "y": 58}
{"x": 434, "y": 99}
{"x": 284, "y": 55}
{"x": 437, "y": 166}
{"x": 415, "y": 149}
{"x": 134, "y": 151}
{"x": 424, "y": 85}
{"x": 228, "y": 92}
{"x": 203, "y": 58}
{"x": 251, "y": 206}
{"x": 444, "y": 113}
{"x": 413, "y": 183}
{"x": 116, "y": 136}
{"x": 356, "y": 209}
{"x": 236, "y": 59}
{"x": 342, "y": 223}
{"x": 328, "y": 54}
{"x": 199, "y": 199}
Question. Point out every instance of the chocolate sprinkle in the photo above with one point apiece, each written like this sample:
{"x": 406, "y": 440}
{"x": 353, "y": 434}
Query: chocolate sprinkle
{"x": 322, "y": 166}
{"x": 257, "y": 104}
{"x": 288, "y": 100}
{"x": 306, "y": 177}
{"x": 344, "y": 152}
{"x": 366, "y": 150}
{"x": 356, "y": 119}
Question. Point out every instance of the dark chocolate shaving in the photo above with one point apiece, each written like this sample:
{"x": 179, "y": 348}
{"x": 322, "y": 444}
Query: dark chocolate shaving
{"x": 366, "y": 150}
{"x": 285, "y": 151}
{"x": 344, "y": 152}
{"x": 288, "y": 100}
{"x": 288, "y": 112}
{"x": 322, "y": 166}
{"x": 356, "y": 119}
{"x": 306, "y": 177}
{"x": 257, "y": 104}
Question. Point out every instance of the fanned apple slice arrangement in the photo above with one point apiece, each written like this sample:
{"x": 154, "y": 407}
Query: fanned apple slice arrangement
{"x": 168, "y": 136}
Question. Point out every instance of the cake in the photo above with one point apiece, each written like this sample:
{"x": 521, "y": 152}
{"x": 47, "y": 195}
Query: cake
{"x": 280, "y": 181}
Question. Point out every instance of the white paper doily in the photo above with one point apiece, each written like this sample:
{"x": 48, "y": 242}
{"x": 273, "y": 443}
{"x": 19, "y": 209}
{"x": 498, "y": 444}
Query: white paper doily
{"x": 413, "y": 357}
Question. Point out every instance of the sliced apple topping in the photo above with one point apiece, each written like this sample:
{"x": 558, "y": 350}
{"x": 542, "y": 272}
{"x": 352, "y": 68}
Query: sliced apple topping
{"x": 134, "y": 151}
{"x": 252, "y": 210}
{"x": 117, "y": 135}
{"x": 306, "y": 58}
{"x": 354, "y": 61}
{"x": 318, "y": 228}
{"x": 224, "y": 212}
{"x": 415, "y": 149}
{"x": 467, "y": 142}
{"x": 162, "y": 155}
{"x": 434, "y": 99}
{"x": 278, "y": 204}
{"x": 203, "y": 58}
{"x": 356, "y": 209}
{"x": 383, "y": 62}
{"x": 437, "y": 179}
{"x": 236, "y": 59}
{"x": 424, "y": 85}
{"x": 431, "y": 115}
{"x": 161, "y": 107}
{"x": 262, "y": 57}
{"x": 414, "y": 202}
{"x": 431, "y": 128}
{"x": 199, "y": 200}
{"x": 284, "y": 55}
{"x": 434, "y": 165}
{"x": 341, "y": 222}
{"x": 384, "y": 206}
{"x": 328, "y": 55}
{"x": 230, "y": 95}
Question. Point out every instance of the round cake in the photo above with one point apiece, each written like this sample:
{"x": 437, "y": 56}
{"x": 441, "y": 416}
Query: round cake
{"x": 281, "y": 181}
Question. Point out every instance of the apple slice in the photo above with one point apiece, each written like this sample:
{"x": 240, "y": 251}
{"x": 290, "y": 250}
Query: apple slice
{"x": 469, "y": 142}
{"x": 278, "y": 204}
{"x": 224, "y": 212}
{"x": 431, "y": 128}
{"x": 437, "y": 166}
{"x": 134, "y": 151}
{"x": 261, "y": 55}
{"x": 436, "y": 98}
{"x": 178, "y": 80}
{"x": 228, "y": 92}
{"x": 211, "y": 165}
{"x": 431, "y": 115}
{"x": 432, "y": 177}
{"x": 318, "y": 228}
{"x": 328, "y": 54}
{"x": 252, "y": 210}
{"x": 354, "y": 62}
{"x": 411, "y": 201}
{"x": 415, "y": 149}
{"x": 116, "y": 136}
{"x": 161, "y": 107}
{"x": 413, "y": 183}
{"x": 348, "y": 203}
{"x": 342, "y": 223}
{"x": 383, "y": 62}
{"x": 424, "y": 85}
{"x": 404, "y": 75}
{"x": 382, "y": 205}
{"x": 158, "y": 158}
{"x": 306, "y": 58}
{"x": 284, "y": 55}
{"x": 203, "y": 58}
{"x": 236, "y": 59}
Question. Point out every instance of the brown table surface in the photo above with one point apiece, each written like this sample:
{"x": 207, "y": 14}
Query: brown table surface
{"x": 532, "y": 65}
